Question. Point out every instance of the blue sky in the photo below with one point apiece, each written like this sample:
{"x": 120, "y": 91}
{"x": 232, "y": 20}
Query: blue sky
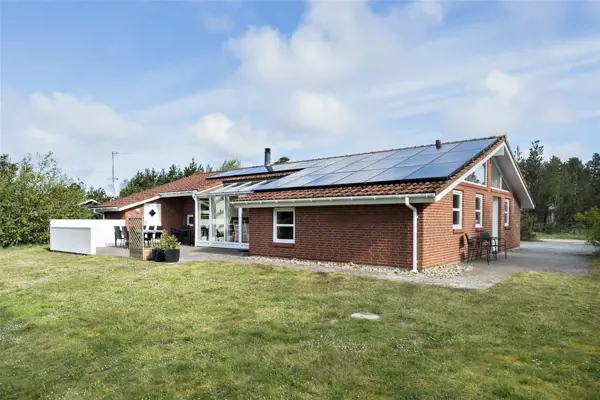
{"x": 168, "y": 81}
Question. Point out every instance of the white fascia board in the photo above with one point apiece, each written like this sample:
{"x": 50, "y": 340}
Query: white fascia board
{"x": 210, "y": 189}
{"x": 177, "y": 194}
{"x": 139, "y": 203}
{"x": 500, "y": 150}
{"x": 104, "y": 209}
{"x": 337, "y": 201}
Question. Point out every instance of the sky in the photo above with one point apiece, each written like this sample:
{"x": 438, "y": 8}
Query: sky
{"x": 174, "y": 80}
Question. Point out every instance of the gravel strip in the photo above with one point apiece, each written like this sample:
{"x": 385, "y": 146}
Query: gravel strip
{"x": 440, "y": 272}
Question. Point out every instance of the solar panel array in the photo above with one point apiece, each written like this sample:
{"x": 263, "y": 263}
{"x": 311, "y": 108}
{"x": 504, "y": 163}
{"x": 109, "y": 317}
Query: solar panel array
{"x": 388, "y": 166}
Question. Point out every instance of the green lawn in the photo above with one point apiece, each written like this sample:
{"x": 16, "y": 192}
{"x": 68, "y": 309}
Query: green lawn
{"x": 573, "y": 236}
{"x": 94, "y": 327}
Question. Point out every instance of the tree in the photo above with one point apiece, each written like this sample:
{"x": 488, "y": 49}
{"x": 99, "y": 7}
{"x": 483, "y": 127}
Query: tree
{"x": 99, "y": 195}
{"x": 282, "y": 160}
{"x": 234, "y": 163}
{"x": 31, "y": 194}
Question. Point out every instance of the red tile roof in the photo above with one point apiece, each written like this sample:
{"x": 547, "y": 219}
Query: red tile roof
{"x": 197, "y": 181}
{"x": 246, "y": 178}
{"x": 348, "y": 191}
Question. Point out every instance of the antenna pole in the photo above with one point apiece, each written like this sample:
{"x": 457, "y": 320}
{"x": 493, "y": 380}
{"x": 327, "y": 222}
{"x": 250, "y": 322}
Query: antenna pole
{"x": 113, "y": 167}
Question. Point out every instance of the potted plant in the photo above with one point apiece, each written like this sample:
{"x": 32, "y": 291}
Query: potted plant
{"x": 170, "y": 248}
{"x": 158, "y": 253}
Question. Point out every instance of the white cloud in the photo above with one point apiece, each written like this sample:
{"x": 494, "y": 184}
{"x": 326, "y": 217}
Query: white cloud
{"x": 217, "y": 23}
{"x": 320, "y": 112}
{"x": 504, "y": 84}
{"x": 63, "y": 113}
{"x": 239, "y": 139}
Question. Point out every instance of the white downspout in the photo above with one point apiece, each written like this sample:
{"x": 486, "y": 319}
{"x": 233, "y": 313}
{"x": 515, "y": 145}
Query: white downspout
{"x": 415, "y": 225}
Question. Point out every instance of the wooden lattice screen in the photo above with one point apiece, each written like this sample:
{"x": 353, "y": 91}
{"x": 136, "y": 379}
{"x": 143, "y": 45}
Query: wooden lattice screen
{"x": 136, "y": 237}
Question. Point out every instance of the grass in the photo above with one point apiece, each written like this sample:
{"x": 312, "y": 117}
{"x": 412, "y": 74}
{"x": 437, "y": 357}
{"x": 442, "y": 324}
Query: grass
{"x": 95, "y": 327}
{"x": 572, "y": 236}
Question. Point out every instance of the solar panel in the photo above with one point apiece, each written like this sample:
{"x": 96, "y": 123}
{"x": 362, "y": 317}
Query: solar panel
{"x": 435, "y": 170}
{"x": 378, "y": 156}
{"x": 408, "y": 152}
{"x": 357, "y": 166}
{"x": 419, "y": 163}
{"x": 360, "y": 176}
{"x": 434, "y": 150}
{"x": 462, "y": 156}
{"x": 418, "y": 160}
{"x": 394, "y": 174}
{"x": 326, "y": 180}
{"x": 385, "y": 163}
{"x": 477, "y": 145}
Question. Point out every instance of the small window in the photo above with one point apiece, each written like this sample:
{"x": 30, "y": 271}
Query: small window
{"x": 190, "y": 220}
{"x": 478, "y": 211}
{"x": 457, "y": 209}
{"x": 478, "y": 176}
{"x": 506, "y": 212}
{"x": 284, "y": 225}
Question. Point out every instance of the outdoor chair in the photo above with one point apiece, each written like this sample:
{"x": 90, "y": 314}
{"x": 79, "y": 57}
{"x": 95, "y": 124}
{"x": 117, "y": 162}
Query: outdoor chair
{"x": 118, "y": 235}
{"x": 158, "y": 235}
{"x": 486, "y": 242}
{"x": 126, "y": 236}
{"x": 149, "y": 235}
{"x": 473, "y": 248}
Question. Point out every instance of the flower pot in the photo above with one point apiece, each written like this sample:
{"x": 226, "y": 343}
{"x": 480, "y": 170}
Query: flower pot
{"x": 171, "y": 255}
{"x": 159, "y": 255}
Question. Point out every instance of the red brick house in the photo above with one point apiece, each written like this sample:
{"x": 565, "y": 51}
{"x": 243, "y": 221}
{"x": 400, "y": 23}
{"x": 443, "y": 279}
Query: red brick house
{"x": 410, "y": 207}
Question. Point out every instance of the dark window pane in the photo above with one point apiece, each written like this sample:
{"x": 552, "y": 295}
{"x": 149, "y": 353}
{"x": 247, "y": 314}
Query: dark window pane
{"x": 456, "y": 201}
{"x": 456, "y": 218}
{"x": 285, "y": 217}
{"x": 285, "y": 232}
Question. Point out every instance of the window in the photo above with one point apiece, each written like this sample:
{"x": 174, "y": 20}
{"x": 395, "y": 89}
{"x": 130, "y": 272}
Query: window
{"x": 457, "y": 209}
{"x": 498, "y": 181}
{"x": 478, "y": 211}
{"x": 190, "y": 220}
{"x": 506, "y": 212}
{"x": 284, "y": 221}
{"x": 478, "y": 176}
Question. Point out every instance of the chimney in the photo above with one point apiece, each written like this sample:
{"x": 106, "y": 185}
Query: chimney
{"x": 267, "y": 157}
{"x": 438, "y": 144}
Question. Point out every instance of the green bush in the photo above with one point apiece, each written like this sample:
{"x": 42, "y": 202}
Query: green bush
{"x": 527, "y": 226}
{"x": 591, "y": 223}
{"x": 31, "y": 194}
{"x": 169, "y": 242}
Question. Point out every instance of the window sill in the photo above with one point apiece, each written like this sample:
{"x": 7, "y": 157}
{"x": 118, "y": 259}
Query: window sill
{"x": 480, "y": 229}
{"x": 458, "y": 230}
{"x": 507, "y": 228}
{"x": 283, "y": 244}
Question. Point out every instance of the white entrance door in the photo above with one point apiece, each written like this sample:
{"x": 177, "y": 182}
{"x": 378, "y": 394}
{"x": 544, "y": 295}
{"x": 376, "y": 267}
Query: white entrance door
{"x": 152, "y": 215}
{"x": 495, "y": 217}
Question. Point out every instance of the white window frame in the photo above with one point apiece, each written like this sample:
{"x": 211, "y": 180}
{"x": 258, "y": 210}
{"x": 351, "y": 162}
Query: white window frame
{"x": 276, "y": 225}
{"x": 502, "y": 180}
{"x": 506, "y": 212}
{"x": 480, "y": 211}
{"x": 187, "y": 219}
{"x": 485, "y": 183}
{"x": 459, "y": 209}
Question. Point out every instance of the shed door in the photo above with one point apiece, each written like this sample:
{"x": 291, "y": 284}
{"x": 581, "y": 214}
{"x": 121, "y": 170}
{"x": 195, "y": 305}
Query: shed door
{"x": 152, "y": 215}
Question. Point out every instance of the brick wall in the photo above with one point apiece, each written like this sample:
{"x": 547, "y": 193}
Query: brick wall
{"x": 378, "y": 235}
{"x": 444, "y": 244}
{"x": 173, "y": 212}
